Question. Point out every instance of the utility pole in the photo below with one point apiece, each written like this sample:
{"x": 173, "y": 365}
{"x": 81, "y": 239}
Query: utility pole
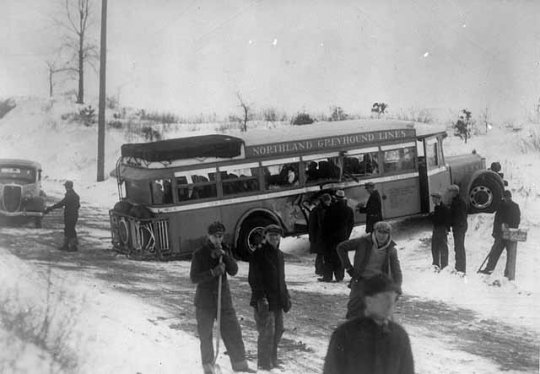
{"x": 102, "y": 94}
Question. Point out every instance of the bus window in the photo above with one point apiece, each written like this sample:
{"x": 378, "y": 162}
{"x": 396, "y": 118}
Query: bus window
{"x": 281, "y": 175}
{"x": 432, "y": 154}
{"x": 137, "y": 190}
{"x": 161, "y": 191}
{"x": 321, "y": 169}
{"x": 399, "y": 160}
{"x": 360, "y": 165}
{"x": 195, "y": 185}
{"x": 239, "y": 181}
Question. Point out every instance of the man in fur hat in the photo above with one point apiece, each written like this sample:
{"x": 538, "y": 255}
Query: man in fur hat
{"x": 375, "y": 254}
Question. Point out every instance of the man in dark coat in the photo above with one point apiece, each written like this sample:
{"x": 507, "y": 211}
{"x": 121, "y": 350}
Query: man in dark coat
{"x": 315, "y": 227}
{"x": 270, "y": 297}
{"x": 206, "y": 268}
{"x": 337, "y": 227}
{"x": 439, "y": 238}
{"x": 508, "y": 215}
{"x": 373, "y": 207}
{"x": 71, "y": 204}
{"x": 374, "y": 254}
{"x": 458, "y": 222}
{"x": 371, "y": 343}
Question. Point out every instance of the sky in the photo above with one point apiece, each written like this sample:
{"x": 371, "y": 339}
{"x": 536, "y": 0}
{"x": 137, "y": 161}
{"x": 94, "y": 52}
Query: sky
{"x": 191, "y": 57}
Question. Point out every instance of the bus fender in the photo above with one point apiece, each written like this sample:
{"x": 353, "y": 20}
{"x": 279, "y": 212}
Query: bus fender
{"x": 252, "y": 213}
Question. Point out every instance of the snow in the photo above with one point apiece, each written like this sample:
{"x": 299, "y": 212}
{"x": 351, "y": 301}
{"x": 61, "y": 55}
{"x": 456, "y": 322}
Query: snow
{"x": 114, "y": 332}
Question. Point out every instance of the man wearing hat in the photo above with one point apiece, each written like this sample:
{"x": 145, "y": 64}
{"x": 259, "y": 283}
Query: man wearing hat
{"x": 206, "y": 269}
{"x": 315, "y": 227}
{"x": 373, "y": 207}
{"x": 508, "y": 215}
{"x": 337, "y": 226}
{"x": 372, "y": 343}
{"x": 439, "y": 238}
{"x": 458, "y": 222}
{"x": 71, "y": 204}
{"x": 269, "y": 297}
{"x": 374, "y": 254}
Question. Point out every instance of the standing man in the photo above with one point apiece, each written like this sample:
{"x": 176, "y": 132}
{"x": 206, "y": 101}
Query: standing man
{"x": 372, "y": 343}
{"x": 71, "y": 204}
{"x": 508, "y": 215}
{"x": 458, "y": 222}
{"x": 439, "y": 239}
{"x": 337, "y": 227}
{"x": 270, "y": 297}
{"x": 206, "y": 268}
{"x": 373, "y": 207}
{"x": 316, "y": 238}
{"x": 374, "y": 254}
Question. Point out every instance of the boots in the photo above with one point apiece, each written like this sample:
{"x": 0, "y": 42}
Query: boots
{"x": 65, "y": 244}
{"x": 72, "y": 245}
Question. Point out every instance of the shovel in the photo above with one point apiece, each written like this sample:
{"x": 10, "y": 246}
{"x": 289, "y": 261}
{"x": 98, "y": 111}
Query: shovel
{"x": 217, "y": 368}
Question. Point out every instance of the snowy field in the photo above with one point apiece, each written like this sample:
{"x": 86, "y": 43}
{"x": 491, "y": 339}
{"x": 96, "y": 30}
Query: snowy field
{"x": 93, "y": 328}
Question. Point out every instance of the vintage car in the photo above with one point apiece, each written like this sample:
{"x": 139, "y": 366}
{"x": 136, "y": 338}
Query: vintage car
{"x": 21, "y": 197}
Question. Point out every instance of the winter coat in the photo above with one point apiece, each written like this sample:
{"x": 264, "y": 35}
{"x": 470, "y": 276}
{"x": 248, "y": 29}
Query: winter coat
{"x": 71, "y": 204}
{"x": 363, "y": 247}
{"x": 338, "y": 222}
{"x": 509, "y": 214}
{"x": 362, "y": 346}
{"x": 373, "y": 210}
{"x": 202, "y": 264}
{"x": 458, "y": 213}
{"x": 315, "y": 227}
{"x": 267, "y": 278}
{"x": 441, "y": 217}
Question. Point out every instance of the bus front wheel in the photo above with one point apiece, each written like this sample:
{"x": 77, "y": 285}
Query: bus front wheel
{"x": 251, "y": 236}
{"x": 485, "y": 194}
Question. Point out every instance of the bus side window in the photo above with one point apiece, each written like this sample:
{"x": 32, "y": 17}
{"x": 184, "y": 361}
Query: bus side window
{"x": 240, "y": 181}
{"x": 432, "y": 156}
{"x": 281, "y": 176}
{"x": 397, "y": 160}
{"x": 361, "y": 165}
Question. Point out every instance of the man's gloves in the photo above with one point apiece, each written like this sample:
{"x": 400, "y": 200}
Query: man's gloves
{"x": 217, "y": 253}
{"x": 353, "y": 273}
{"x": 262, "y": 305}
{"x": 218, "y": 271}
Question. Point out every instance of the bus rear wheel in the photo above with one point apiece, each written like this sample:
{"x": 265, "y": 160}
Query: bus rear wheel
{"x": 485, "y": 194}
{"x": 251, "y": 236}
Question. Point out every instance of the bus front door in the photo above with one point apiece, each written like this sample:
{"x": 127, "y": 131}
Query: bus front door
{"x": 400, "y": 197}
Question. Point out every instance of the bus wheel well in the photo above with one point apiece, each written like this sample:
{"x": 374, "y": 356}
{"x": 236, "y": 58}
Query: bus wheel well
{"x": 485, "y": 193}
{"x": 251, "y": 234}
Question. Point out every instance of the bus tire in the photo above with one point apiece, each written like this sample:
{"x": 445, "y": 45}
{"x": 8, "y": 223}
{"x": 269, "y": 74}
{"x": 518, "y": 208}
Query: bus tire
{"x": 251, "y": 234}
{"x": 485, "y": 194}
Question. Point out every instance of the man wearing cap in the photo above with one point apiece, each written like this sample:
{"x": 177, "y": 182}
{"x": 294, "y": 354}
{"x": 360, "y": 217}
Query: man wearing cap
{"x": 372, "y": 343}
{"x": 337, "y": 226}
{"x": 315, "y": 227}
{"x": 439, "y": 238}
{"x": 71, "y": 204}
{"x": 374, "y": 254}
{"x": 206, "y": 268}
{"x": 373, "y": 207}
{"x": 508, "y": 215}
{"x": 269, "y": 297}
{"x": 458, "y": 222}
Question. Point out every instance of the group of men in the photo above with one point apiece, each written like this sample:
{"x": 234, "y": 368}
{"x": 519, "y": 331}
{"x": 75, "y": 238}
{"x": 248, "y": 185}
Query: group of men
{"x": 331, "y": 222}
{"x": 454, "y": 218}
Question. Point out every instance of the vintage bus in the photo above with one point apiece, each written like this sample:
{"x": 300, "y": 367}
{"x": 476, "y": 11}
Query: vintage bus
{"x": 171, "y": 190}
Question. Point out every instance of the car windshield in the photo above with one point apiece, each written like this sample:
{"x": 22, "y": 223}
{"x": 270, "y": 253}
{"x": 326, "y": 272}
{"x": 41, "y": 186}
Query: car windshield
{"x": 17, "y": 173}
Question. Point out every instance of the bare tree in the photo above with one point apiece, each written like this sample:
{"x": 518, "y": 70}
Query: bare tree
{"x": 246, "y": 109}
{"x": 379, "y": 108}
{"x": 76, "y": 41}
{"x": 52, "y": 70}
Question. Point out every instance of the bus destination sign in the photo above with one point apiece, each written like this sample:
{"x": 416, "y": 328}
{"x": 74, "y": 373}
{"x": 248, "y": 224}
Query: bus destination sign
{"x": 329, "y": 143}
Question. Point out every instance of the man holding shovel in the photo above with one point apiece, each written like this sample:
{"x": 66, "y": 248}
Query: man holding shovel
{"x": 209, "y": 268}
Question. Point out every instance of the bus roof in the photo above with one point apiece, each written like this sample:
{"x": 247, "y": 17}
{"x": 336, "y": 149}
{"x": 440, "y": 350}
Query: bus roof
{"x": 20, "y": 162}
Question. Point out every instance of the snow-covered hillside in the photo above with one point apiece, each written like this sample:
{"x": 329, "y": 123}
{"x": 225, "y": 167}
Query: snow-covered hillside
{"x": 112, "y": 331}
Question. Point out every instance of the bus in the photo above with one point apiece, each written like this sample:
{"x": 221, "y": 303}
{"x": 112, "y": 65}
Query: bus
{"x": 170, "y": 190}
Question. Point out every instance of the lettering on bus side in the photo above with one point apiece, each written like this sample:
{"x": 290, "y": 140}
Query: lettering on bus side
{"x": 333, "y": 142}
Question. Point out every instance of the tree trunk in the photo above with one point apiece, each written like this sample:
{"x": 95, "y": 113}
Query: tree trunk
{"x": 80, "y": 93}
